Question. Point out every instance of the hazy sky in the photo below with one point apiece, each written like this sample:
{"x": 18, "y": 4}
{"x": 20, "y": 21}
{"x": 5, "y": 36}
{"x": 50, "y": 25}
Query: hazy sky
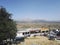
{"x": 33, "y": 9}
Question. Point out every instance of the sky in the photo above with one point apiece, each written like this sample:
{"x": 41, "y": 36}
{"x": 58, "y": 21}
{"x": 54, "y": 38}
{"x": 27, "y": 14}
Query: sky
{"x": 33, "y": 9}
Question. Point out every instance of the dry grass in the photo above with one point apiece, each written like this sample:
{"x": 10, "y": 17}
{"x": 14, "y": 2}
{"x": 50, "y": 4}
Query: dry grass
{"x": 39, "y": 40}
{"x": 38, "y": 25}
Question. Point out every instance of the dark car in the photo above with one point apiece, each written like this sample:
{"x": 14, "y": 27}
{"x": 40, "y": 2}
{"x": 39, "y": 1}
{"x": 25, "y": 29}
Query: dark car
{"x": 19, "y": 39}
{"x": 58, "y": 36}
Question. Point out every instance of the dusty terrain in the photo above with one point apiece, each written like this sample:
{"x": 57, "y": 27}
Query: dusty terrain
{"x": 38, "y": 25}
{"x": 39, "y": 40}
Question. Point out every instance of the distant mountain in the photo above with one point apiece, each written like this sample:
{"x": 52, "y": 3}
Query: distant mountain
{"x": 45, "y": 21}
{"x": 37, "y": 21}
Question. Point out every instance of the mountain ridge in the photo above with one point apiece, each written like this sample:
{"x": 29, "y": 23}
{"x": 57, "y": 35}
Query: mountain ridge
{"x": 37, "y": 21}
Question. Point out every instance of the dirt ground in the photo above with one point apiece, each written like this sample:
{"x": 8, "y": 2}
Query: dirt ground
{"x": 39, "y": 40}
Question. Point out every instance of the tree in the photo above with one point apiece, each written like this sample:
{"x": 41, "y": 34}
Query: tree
{"x": 7, "y": 25}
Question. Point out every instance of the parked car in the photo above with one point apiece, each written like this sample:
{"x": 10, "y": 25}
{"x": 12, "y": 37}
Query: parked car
{"x": 58, "y": 36}
{"x": 51, "y": 35}
{"x": 19, "y": 39}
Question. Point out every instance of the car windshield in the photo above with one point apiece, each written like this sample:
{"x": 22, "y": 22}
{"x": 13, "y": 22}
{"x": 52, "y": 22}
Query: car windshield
{"x": 58, "y": 34}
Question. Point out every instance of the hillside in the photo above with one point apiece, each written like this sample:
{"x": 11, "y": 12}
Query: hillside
{"x": 38, "y": 24}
